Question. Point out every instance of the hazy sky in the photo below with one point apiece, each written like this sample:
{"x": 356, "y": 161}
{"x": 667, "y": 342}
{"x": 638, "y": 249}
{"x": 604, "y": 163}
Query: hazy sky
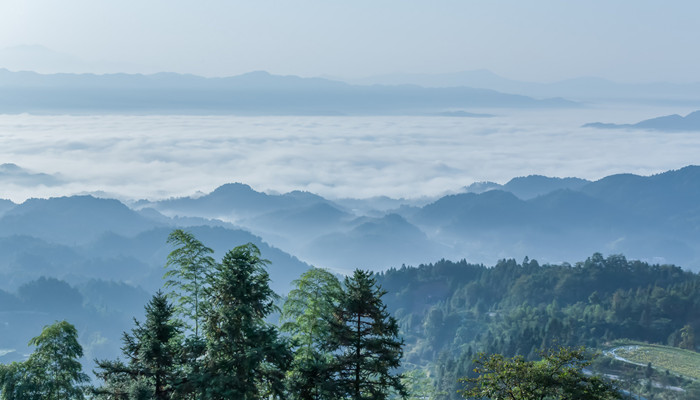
{"x": 529, "y": 40}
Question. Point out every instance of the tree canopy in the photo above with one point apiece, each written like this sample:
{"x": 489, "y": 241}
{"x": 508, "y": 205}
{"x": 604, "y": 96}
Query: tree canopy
{"x": 558, "y": 375}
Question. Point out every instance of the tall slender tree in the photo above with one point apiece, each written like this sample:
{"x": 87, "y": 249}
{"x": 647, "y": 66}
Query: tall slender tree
{"x": 245, "y": 359}
{"x": 189, "y": 266}
{"x": 365, "y": 340}
{"x": 306, "y": 314}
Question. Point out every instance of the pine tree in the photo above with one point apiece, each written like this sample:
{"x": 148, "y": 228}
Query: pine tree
{"x": 153, "y": 351}
{"x": 307, "y": 311}
{"x": 245, "y": 359}
{"x": 365, "y": 339}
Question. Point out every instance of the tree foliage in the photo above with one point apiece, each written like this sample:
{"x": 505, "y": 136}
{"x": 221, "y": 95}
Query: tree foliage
{"x": 153, "y": 352}
{"x": 365, "y": 340}
{"x": 52, "y": 371}
{"x": 189, "y": 266}
{"x": 306, "y": 316}
{"x": 557, "y": 376}
{"x": 245, "y": 359}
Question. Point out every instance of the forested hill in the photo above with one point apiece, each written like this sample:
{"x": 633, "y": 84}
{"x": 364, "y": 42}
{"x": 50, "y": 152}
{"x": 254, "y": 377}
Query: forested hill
{"x": 449, "y": 311}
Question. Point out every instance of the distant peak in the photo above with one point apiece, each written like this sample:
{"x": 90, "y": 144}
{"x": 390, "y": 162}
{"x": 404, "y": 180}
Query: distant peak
{"x": 257, "y": 74}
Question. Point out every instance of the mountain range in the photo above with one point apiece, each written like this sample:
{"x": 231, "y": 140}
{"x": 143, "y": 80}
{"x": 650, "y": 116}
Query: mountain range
{"x": 255, "y": 93}
{"x": 108, "y": 255}
{"x": 655, "y": 218}
{"x": 583, "y": 89}
{"x": 668, "y": 123}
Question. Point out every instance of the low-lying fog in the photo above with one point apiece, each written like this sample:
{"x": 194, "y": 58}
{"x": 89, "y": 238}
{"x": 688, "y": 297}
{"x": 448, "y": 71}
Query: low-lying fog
{"x": 133, "y": 157}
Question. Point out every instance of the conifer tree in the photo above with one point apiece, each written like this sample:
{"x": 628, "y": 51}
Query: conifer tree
{"x": 245, "y": 359}
{"x": 306, "y": 313}
{"x": 365, "y": 340}
{"x": 152, "y": 350}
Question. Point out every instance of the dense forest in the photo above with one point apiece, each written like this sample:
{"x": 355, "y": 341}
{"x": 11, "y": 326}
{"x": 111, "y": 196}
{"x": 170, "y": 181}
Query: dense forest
{"x": 436, "y": 331}
{"x": 451, "y": 311}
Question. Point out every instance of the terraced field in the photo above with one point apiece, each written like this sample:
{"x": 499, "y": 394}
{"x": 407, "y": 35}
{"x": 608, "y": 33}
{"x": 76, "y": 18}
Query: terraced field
{"x": 678, "y": 361}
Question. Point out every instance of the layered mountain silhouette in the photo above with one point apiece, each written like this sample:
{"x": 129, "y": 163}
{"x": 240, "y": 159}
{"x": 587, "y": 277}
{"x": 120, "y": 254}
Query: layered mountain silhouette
{"x": 578, "y": 89}
{"x": 81, "y": 237}
{"x": 530, "y": 186}
{"x": 668, "y": 123}
{"x": 551, "y": 219}
{"x": 255, "y": 93}
{"x": 110, "y": 256}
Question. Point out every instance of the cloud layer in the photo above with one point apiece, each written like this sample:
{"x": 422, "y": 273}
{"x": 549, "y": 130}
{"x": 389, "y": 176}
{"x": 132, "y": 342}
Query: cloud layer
{"x": 154, "y": 157}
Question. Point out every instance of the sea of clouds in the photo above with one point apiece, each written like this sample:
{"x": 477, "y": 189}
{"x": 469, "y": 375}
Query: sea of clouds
{"x": 155, "y": 157}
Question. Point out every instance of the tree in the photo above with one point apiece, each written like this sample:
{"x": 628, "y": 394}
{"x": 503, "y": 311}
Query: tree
{"x": 153, "y": 351}
{"x": 19, "y": 382}
{"x": 306, "y": 314}
{"x": 558, "y": 375}
{"x": 364, "y": 338}
{"x": 190, "y": 263}
{"x": 245, "y": 359}
{"x": 51, "y": 372}
{"x": 418, "y": 385}
{"x": 687, "y": 338}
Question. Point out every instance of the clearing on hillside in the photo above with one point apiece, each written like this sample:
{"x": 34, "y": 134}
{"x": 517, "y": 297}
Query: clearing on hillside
{"x": 678, "y": 361}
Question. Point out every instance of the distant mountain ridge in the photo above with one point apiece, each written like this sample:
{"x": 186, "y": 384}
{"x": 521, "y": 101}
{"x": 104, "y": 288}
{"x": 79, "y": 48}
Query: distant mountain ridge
{"x": 257, "y": 93}
{"x": 552, "y": 219}
{"x": 530, "y": 186}
{"x": 668, "y": 123}
{"x": 578, "y": 89}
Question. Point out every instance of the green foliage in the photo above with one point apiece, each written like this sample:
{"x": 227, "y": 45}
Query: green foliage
{"x": 52, "y": 370}
{"x": 245, "y": 359}
{"x": 418, "y": 385}
{"x": 306, "y": 316}
{"x": 558, "y": 375}
{"x": 365, "y": 341}
{"x": 153, "y": 352}
{"x": 448, "y": 311}
{"x": 190, "y": 263}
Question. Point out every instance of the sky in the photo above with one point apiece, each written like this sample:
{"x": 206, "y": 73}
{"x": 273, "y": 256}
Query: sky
{"x": 539, "y": 40}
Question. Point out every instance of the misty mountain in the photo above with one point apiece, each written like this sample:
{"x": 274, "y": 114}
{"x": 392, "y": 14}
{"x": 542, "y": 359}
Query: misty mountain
{"x": 5, "y": 206}
{"x": 654, "y": 217}
{"x": 579, "y": 89}
{"x": 257, "y": 93}
{"x": 71, "y": 220}
{"x": 375, "y": 243}
{"x": 81, "y": 237}
{"x": 14, "y": 174}
{"x": 672, "y": 196}
{"x": 306, "y": 221}
{"x": 553, "y": 219}
{"x": 668, "y": 123}
{"x": 232, "y": 201}
{"x": 530, "y": 186}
